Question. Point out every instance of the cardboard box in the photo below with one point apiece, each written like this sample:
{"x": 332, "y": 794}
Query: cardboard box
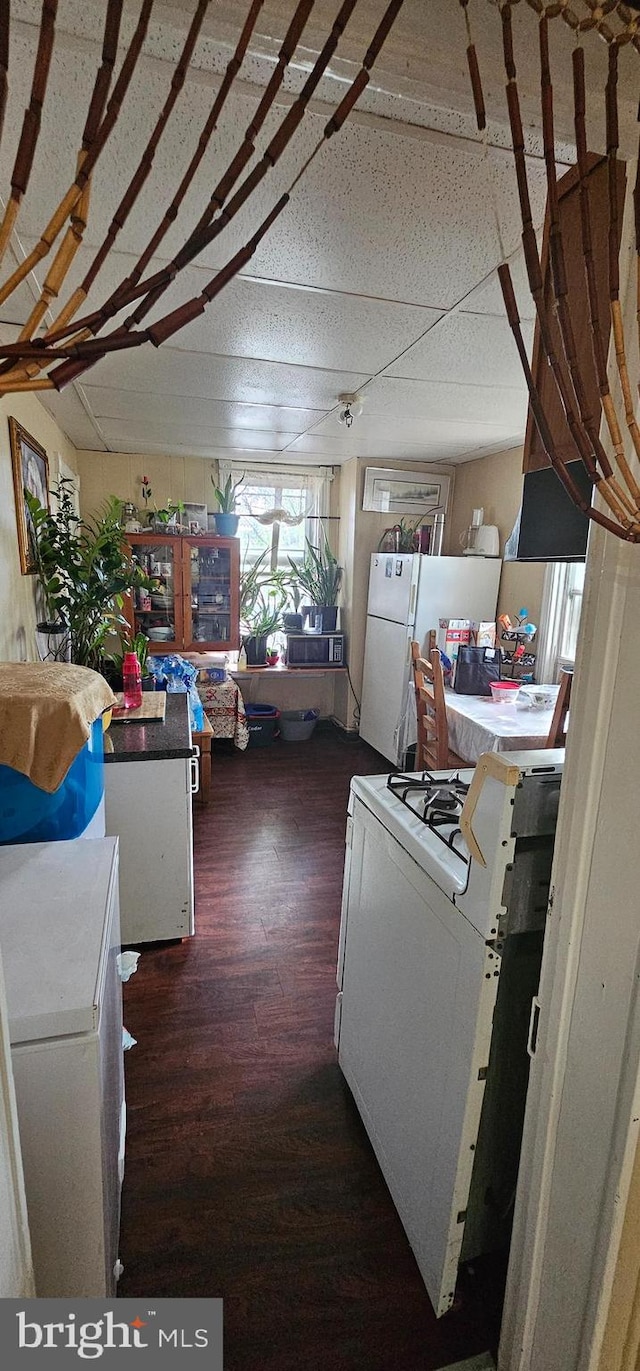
{"x": 483, "y": 634}
{"x": 451, "y": 634}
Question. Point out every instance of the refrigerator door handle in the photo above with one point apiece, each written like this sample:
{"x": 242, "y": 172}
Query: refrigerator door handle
{"x": 412, "y": 600}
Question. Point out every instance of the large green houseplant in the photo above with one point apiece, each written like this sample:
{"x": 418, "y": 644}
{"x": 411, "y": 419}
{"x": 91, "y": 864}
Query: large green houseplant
{"x": 84, "y": 572}
{"x": 320, "y": 577}
{"x": 263, "y": 595}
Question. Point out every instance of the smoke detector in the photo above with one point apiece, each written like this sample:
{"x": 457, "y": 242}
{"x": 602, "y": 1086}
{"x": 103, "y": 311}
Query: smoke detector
{"x": 350, "y": 407}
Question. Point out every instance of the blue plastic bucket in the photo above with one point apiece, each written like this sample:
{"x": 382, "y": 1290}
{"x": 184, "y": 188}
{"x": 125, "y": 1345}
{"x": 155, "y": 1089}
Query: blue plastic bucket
{"x": 31, "y": 815}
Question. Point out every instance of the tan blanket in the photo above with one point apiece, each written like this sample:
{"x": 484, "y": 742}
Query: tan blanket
{"x": 46, "y": 713}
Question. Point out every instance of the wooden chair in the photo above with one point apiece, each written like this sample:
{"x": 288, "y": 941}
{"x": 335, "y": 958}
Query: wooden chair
{"x": 557, "y": 732}
{"x": 432, "y": 747}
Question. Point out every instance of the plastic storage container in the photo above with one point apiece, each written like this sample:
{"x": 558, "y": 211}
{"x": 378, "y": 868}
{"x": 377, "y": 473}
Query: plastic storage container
{"x": 296, "y": 725}
{"x": 505, "y": 691}
{"x": 31, "y": 815}
{"x": 262, "y": 722}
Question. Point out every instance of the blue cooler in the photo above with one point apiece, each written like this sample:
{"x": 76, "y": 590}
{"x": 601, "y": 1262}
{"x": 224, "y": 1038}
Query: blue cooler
{"x": 76, "y": 809}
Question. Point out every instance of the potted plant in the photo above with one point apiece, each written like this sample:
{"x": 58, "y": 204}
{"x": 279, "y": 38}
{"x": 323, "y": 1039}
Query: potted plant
{"x": 84, "y": 571}
{"x": 320, "y": 577}
{"x": 225, "y": 516}
{"x": 263, "y": 594}
{"x": 403, "y": 536}
{"x": 166, "y": 520}
{"x": 131, "y": 642}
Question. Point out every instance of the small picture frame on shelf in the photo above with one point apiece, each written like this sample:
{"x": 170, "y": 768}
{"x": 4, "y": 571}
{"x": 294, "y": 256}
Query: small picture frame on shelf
{"x": 195, "y": 518}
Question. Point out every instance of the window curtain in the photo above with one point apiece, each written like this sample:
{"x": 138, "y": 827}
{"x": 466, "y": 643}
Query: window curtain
{"x": 551, "y": 618}
{"x": 316, "y": 482}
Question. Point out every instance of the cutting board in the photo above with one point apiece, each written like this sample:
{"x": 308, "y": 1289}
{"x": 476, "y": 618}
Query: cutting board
{"x": 152, "y": 709}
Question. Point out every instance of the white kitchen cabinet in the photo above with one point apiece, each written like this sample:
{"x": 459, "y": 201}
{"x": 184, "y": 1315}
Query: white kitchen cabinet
{"x": 59, "y": 935}
{"x": 148, "y": 804}
{"x": 149, "y": 777}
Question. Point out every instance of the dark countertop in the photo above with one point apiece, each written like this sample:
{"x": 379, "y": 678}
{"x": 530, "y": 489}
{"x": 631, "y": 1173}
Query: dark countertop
{"x": 154, "y": 741}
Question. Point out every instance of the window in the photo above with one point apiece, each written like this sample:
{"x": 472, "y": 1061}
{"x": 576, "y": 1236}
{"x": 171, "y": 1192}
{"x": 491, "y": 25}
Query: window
{"x": 301, "y": 498}
{"x": 571, "y": 610}
{"x": 560, "y": 618}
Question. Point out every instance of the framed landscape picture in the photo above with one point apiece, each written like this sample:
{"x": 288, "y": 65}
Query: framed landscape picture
{"x": 404, "y": 492}
{"x": 30, "y": 472}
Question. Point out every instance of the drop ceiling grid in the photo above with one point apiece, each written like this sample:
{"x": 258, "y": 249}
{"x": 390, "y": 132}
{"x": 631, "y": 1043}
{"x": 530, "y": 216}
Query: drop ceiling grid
{"x": 394, "y": 235}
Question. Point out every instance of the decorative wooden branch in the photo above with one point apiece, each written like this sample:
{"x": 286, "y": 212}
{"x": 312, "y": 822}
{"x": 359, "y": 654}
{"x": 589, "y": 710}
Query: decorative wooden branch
{"x": 588, "y": 438}
{"x": 120, "y": 296}
{"x": 31, "y": 122}
{"x": 80, "y": 355}
{"x": 73, "y": 237}
{"x": 70, "y": 348}
{"x": 582, "y": 429}
{"x": 599, "y": 357}
{"x": 70, "y": 200}
{"x": 540, "y": 418}
{"x": 144, "y": 168}
{"x": 474, "y": 71}
{"x": 208, "y": 228}
{"x": 205, "y": 231}
{"x": 5, "y": 16}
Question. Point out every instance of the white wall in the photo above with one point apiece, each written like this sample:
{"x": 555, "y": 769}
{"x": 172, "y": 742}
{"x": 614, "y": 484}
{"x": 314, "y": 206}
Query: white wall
{"x": 495, "y": 484}
{"x": 18, "y": 617}
{"x": 360, "y": 534}
{"x": 120, "y": 473}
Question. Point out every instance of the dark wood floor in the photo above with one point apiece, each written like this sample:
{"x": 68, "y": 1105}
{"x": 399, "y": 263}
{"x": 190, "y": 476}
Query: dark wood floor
{"x": 249, "y": 1174}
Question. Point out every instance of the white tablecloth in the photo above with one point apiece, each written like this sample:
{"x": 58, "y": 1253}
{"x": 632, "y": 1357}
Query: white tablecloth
{"x": 479, "y": 724}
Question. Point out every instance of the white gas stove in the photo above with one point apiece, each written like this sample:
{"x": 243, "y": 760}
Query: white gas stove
{"x": 444, "y": 905}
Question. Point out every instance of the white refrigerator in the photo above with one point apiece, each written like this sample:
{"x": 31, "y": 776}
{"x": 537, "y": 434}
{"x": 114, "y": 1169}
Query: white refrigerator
{"x": 408, "y": 594}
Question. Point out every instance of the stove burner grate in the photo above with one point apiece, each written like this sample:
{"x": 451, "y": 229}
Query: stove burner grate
{"x": 434, "y": 799}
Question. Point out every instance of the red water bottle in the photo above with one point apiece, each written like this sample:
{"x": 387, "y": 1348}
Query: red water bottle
{"x": 131, "y": 681}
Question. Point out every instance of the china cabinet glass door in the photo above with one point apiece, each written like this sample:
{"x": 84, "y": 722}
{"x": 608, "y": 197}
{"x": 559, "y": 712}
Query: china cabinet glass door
{"x": 156, "y": 612}
{"x": 209, "y": 594}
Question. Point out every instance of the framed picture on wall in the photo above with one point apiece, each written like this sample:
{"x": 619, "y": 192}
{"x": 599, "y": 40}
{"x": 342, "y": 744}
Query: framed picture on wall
{"x": 404, "y": 492}
{"x": 30, "y": 472}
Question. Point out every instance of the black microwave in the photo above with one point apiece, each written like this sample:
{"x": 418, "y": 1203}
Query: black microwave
{"x": 316, "y": 649}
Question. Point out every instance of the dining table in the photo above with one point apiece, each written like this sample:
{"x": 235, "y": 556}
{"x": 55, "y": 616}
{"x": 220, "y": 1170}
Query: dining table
{"x": 478, "y": 723}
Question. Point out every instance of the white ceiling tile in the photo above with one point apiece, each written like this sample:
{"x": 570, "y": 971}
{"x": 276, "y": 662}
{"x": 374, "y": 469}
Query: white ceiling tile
{"x": 468, "y": 349}
{"x": 391, "y": 396}
{"x": 389, "y": 227}
{"x": 408, "y": 218}
{"x": 179, "y": 409}
{"x": 17, "y": 308}
{"x": 152, "y": 429}
{"x": 170, "y": 371}
{"x": 487, "y": 298}
{"x": 308, "y": 328}
{"x": 69, "y": 412}
{"x": 442, "y": 444}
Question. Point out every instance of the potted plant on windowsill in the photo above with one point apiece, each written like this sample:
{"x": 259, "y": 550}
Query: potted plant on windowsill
{"x": 320, "y": 577}
{"x": 225, "y": 516}
{"x": 263, "y": 595}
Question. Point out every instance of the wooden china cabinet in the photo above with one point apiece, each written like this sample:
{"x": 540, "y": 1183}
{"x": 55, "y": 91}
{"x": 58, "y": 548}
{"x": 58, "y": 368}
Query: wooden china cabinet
{"x": 195, "y": 605}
